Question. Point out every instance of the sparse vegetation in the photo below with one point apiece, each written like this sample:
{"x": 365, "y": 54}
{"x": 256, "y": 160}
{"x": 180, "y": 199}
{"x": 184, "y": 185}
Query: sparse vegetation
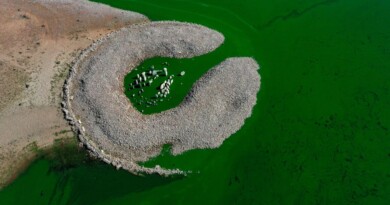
{"x": 24, "y": 16}
{"x": 58, "y": 79}
{"x": 62, "y": 132}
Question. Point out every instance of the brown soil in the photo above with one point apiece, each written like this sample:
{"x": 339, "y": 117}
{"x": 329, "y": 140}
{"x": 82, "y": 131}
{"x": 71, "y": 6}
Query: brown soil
{"x": 38, "y": 42}
{"x": 11, "y": 84}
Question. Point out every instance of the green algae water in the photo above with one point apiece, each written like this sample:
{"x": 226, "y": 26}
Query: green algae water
{"x": 144, "y": 98}
{"x": 319, "y": 133}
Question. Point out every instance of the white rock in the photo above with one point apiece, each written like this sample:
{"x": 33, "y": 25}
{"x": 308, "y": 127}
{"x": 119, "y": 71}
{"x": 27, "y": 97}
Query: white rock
{"x": 165, "y": 71}
{"x": 144, "y": 76}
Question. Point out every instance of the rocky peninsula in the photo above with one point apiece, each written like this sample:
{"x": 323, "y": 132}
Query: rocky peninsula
{"x": 113, "y": 130}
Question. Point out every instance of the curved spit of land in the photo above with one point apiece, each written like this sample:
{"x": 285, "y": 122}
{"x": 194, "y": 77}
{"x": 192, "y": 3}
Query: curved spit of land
{"x": 116, "y": 132}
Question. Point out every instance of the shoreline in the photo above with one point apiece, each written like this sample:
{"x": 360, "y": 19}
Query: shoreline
{"x": 66, "y": 146}
{"x": 30, "y": 156}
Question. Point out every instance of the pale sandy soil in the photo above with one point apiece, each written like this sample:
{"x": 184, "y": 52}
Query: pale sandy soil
{"x": 38, "y": 42}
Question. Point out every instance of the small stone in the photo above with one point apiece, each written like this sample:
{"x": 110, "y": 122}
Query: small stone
{"x": 165, "y": 71}
{"x": 182, "y": 73}
{"x": 162, "y": 86}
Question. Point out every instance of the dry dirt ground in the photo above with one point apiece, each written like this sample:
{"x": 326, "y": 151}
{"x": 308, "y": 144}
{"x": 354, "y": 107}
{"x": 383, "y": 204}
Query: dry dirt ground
{"x": 38, "y": 41}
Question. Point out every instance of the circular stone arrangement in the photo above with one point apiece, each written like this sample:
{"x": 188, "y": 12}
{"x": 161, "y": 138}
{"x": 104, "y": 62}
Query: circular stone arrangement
{"x": 113, "y": 130}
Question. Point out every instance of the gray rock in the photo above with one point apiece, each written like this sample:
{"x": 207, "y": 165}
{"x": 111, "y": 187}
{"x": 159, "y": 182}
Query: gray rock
{"x": 209, "y": 114}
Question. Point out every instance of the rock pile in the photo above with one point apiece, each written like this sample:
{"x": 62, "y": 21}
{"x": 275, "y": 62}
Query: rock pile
{"x": 116, "y": 132}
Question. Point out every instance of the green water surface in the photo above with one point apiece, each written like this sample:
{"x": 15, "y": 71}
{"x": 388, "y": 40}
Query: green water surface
{"x": 319, "y": 133}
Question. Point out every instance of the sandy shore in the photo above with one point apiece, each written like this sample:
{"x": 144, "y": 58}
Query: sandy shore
{"x": 38, "y": 41}
{"x": 117, "y": 133}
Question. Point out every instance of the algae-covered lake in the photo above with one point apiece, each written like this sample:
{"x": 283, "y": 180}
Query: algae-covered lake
{"x": 319, "y": 133}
